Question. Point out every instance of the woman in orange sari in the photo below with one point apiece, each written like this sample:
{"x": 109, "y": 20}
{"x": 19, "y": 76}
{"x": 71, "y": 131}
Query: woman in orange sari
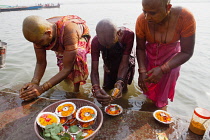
{"x": 68, "y": 36}
{"x": 165, "y": 40}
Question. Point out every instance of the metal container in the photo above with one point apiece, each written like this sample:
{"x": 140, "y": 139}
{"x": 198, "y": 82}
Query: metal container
{"x": 3, "y": 47}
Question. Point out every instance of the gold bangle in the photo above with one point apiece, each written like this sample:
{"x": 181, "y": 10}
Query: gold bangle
{"x": 46, "y": 86}
{"x": 165, "y": 68}
{"x": 35, "y": 81}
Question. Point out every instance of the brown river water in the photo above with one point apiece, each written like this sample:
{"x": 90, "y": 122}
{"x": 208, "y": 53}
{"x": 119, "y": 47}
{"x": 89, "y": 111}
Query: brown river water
{"x": 192, "y": 89}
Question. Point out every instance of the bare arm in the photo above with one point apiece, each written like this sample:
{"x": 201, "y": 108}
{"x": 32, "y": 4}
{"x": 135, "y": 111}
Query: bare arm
{"x": 141, "y": 53}
{"x": 68, "y": 62}
{"x": 123, "y": 68}
{"x": 40, "y": 67}
{"x": 94, "y": 73}
{"x": 33, "y": 91}
{"x": 141, "y": 59}
{"x": 187, "y": 49}
{"x": 101, "y": 96}
{"x": 41, "y": 64}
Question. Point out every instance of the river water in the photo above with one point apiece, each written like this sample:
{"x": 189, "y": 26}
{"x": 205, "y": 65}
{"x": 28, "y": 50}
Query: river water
{"x": 192, "y": 89}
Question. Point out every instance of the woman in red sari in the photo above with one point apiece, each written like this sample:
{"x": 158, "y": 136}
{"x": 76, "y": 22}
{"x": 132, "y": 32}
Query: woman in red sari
{"x": 165, "y": 40}
{"x": 68, "y": 36}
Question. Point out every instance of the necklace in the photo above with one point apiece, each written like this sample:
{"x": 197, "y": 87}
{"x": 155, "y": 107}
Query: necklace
{"x": 161, "y": 42}
{"x": 169, "y": 17}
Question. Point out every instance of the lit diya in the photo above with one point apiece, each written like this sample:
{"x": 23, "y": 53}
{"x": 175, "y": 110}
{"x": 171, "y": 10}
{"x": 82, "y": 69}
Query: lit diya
{"x": 47, "y": 118}
{"x": 113, "y": 109}
{"x": 86, "y": 114}
{"x": 65, "y": 109}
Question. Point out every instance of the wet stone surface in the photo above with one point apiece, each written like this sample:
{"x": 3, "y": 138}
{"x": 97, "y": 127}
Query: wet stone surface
{"x": 17, "y": 122}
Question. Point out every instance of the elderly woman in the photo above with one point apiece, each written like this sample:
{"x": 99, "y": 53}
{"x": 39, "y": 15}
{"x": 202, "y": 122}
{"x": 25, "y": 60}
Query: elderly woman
{"x": 115, "y": 44}
{"x": 165, "y": 40}
{"x": 68, "y": 36}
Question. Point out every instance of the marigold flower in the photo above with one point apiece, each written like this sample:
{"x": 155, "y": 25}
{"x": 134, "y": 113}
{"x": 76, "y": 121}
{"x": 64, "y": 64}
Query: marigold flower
{"x": 86, "y": 114}
{"x": 47, "y": 119}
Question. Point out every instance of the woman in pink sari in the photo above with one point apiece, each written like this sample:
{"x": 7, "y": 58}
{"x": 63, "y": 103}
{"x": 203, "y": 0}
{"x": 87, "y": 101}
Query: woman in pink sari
{"x": 68, "y": 36}
{"x": 165, "y": 40}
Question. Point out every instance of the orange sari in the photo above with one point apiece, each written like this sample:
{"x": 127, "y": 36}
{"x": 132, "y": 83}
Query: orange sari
{"x": 158, "y": 54}
{"x": 79, "y": 73}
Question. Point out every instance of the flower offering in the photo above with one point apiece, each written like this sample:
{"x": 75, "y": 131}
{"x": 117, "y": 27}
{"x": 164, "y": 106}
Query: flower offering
{"x": 47, "y": 118}
{"x": 65, "y": 120}
{"x": 87, "y": 132}
{"x": 113, "y": 109}
{"x": 65, "y": 109}
{"x": 86, "y": 114}
{"x": 86, "y": 124}
{"x": 162, "y": 116}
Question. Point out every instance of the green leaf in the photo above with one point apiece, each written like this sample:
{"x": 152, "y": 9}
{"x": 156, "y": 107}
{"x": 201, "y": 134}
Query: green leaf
{"x": 47, "y": 135}
{"x": 79, "y": 136}
{"x": 66, "y": 135}
{"x": 65, "y": 138}
{"x": 89, "y": 127}
{"x": 73, "y": 129}
{"x": 53, "y": 132}
{"x": 55, "y": 137}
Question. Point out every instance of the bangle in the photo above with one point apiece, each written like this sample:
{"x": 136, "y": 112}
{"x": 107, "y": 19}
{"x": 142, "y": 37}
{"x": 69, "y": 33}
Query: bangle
{"x": 142, "y": 70}
{"x": 165, "y": 68}
{"x": 46, "y": 86}
{"x": 95, "y": 86}
{"x": 121, "y": 82}
{"x": 120, "y": 78}
{"x": 35, "y": 81}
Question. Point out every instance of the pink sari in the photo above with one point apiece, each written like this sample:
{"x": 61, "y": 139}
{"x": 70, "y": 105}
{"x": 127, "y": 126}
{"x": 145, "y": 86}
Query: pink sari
{"x": 157, "y": 55}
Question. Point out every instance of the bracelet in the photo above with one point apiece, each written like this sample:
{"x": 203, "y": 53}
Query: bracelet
{"x": 142, "y": 70}
{"x": 120, "y": 78}
{"x": 95, "y": 90}
{"x": 35, "y": 81}
{"x": 165, "y": 68}
{"x": 121, "y": 82}
{"x": 46, "y": 86}
{"x": 95, "y": 86}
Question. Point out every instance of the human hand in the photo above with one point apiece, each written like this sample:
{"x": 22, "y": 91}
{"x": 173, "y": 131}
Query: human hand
{"x": 30, "y": 91}
{"x": 25, "y": 86}
{"x": 141, "y": 83}
{"x": 101, "y": 96}
{"x": 117, "y": 92}
{"x": 154, "y": 75}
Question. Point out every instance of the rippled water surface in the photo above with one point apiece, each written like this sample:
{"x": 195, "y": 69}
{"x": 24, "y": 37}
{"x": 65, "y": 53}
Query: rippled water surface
{"x": 192, "y": 88}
